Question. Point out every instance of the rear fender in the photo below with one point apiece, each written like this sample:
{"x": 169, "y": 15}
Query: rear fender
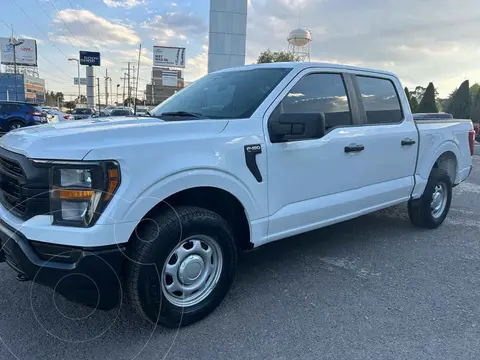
{"x": 427, "y": 162}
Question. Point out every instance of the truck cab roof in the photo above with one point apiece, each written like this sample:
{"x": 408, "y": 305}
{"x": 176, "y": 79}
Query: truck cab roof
{"x": 299, "y": 66}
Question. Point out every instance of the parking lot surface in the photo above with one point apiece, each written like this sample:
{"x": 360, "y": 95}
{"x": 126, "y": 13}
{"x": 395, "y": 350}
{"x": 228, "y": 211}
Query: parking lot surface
{"x": 371, "y": 288}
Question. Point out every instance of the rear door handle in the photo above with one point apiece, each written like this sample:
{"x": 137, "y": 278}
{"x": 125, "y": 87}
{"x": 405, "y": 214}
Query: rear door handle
{"x": 354, "y": 148}
{"x": 408, "y": 141}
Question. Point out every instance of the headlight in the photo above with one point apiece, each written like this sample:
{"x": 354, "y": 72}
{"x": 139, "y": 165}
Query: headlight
{"x": 81, "y": 191}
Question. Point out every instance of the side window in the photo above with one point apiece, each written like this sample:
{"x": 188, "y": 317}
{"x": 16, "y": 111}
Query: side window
{"x": 10, "y": 108}
{"x": 380, "y": 100}
{"x": 319, "y": 93}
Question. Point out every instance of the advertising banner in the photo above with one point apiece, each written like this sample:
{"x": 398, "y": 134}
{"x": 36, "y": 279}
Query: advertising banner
{"x": 83, "y": 81}
{"x": 89, "y": 58}
{"x": 25, "y": 52}
{"x": 168, "y": 56}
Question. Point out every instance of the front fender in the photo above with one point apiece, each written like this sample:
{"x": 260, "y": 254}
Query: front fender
{"x": 184, "y": 180}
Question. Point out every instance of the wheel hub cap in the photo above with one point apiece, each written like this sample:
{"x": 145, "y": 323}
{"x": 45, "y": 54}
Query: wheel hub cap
{"x": 191, "y": 269}
{"x": 439, "y": 200}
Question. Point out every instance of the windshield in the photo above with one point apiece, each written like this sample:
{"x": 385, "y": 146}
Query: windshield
{"x": 225, "y": 95}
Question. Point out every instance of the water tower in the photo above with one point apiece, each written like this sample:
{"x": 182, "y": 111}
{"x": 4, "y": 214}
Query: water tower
{"x": 299, "y": 43}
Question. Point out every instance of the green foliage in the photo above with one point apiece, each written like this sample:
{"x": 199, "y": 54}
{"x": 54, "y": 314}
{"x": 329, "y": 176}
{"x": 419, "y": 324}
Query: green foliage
{"x": 460, "y": 103}
{"x": 413, "y": 104}
{"x": 428, "y": 103}
{"x": 475, "y": 109}
{"x": 412, "y": 101}
{"x": 82, "y": 99}
{"x": 54, "y": 99}
{"x": 276, "y": 56}
{"x": 70, "y": 105}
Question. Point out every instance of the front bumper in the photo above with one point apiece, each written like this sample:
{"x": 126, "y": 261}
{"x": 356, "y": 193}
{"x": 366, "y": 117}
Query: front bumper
{"x": 89, "y": 276}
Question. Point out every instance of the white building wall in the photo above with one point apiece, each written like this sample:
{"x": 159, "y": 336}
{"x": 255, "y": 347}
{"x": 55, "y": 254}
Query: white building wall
{"x": 228, "y": 34}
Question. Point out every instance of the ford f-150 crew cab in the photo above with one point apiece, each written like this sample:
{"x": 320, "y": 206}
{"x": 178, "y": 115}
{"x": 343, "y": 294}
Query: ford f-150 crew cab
{"x": 157, "y": 208}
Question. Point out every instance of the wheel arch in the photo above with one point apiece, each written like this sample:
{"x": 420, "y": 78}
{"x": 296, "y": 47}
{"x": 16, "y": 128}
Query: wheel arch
{"x": 446, "y": 157}
{"x": 213, "y": 190}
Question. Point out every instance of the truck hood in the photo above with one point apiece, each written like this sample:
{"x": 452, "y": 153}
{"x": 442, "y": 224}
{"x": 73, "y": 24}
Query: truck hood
{"x": 72, "y": 140}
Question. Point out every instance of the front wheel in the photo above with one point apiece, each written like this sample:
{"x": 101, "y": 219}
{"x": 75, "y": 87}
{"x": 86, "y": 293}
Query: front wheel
{"x": 431, "y": 209}
{"x": 182, "y": 265}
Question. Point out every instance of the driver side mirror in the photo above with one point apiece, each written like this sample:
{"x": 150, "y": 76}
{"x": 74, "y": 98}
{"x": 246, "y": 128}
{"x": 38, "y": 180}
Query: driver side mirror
{"x": 294, "y": 127}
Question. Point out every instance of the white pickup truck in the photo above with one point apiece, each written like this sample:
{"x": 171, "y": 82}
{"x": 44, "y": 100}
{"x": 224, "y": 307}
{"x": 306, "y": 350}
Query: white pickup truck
{"x": 157, "y": 208}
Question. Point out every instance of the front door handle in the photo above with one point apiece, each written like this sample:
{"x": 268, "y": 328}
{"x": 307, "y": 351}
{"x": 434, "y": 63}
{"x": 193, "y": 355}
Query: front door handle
{"x": 408, "y": 141}
{"x": 354, "y": 148}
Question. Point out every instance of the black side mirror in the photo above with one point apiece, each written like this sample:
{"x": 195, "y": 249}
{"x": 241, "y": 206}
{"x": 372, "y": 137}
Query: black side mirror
{"x": 291, "y": 127}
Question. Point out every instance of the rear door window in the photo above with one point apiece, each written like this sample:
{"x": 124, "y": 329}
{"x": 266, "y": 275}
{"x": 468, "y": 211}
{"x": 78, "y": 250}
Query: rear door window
{"x": 380, "y": 100}
{"x": 10, "y": 108}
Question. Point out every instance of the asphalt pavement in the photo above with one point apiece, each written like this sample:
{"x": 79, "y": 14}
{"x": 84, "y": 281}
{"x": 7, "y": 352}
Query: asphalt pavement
{"x": 371, "y": 288}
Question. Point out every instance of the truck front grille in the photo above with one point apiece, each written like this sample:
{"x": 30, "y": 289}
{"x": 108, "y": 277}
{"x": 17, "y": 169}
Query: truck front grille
{"x": 23, "y": 186}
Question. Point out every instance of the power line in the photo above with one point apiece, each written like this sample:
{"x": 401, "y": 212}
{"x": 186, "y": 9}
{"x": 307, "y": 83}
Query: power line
{"x": 63, "y": 21}
{"x": 39, "y": 29}
{"x": 51, "y": 63}
{"x": 45, "y": 12}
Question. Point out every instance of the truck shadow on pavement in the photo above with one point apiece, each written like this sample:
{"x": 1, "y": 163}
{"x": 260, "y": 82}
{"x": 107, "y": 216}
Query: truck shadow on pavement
{"x": 264, "y": 274}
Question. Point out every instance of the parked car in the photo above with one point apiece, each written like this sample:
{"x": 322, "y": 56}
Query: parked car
{"x": 82, "y": 113}
{"x": 142, "y": 111}
{"x": 159, "y": 208}
{"x": 16, "y": 114}
{"x": 121, "y": 112}
{"x": 54, "y": 115}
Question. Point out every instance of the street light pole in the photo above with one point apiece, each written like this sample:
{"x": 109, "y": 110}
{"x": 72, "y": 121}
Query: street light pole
{"x": 78, "y": 74}
{"x": 118, "y": 85}
{"x": 14, "y": 44}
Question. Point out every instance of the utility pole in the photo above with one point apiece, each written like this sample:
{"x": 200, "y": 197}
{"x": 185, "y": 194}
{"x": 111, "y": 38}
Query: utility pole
{"x": 14, "y": 43}
{"x": 106, "y": 87}
{"x": 111, "y": 91}
{"x": 129, "y": 89}
{"x": 123, "y": 95}
{"x": 98, "y": 87}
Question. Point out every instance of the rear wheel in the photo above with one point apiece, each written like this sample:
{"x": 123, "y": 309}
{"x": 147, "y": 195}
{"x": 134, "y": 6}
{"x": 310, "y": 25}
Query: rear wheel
{"x": 431, "y": 209}
{"x": 183, "y": 265}
{"x": 15, "y": 124}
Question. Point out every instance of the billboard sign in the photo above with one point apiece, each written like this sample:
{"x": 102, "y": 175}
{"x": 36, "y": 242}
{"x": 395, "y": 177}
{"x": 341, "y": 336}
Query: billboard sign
{"x": 25, "y": 53}
{"x": 83, "y": 81}
{"x": 168, "y": 56}
{"x": 89, "y": 58}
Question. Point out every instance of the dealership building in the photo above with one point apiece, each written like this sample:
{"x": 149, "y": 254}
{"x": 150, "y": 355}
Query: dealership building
{"x": 22, "y": 87}
{"x": 20, "y": 80}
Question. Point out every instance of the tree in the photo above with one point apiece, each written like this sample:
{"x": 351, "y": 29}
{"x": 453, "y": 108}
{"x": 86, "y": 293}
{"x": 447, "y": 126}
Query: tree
{"x": 82, "y": 99}
{"x": 130, "y": 101}
{"x": 475, "y": 109}
{"x": 412, "y": 101}
{"x": 277, "y": 56}
{"x": 70, "y": 105}
{"x": 428, "y": 103}
{"x": 414, "y": 105}
{"x": 460, "y": 102}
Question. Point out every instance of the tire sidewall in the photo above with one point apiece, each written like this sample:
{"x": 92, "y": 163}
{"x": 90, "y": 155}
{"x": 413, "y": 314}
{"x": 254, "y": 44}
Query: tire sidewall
{"x": 437, "y": 176}
{"x": 11, "y": 123}
{"x": 168, "y": 238}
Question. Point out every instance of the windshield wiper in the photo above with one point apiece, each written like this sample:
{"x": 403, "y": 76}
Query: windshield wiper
{"x": 183, "y": 114}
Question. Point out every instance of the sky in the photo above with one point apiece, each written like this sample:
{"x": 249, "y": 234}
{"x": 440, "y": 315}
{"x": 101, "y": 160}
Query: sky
{"x": 420, "y": 40}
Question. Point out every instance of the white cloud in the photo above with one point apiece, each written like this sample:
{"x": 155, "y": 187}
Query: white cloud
{"x": 174, "y": 4}
{"x": 436, "y": 42}
{"x": 89, "y": 29}
{"x": 175, "y": 25}
{"x": 196, "y": 66}
{"x": 124, "y": 3}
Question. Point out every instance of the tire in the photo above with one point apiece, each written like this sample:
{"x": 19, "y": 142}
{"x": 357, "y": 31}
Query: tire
{"x": 15, "y": 124}
{"x": 152, "y": 248}
{"x": 420, "y": 210}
